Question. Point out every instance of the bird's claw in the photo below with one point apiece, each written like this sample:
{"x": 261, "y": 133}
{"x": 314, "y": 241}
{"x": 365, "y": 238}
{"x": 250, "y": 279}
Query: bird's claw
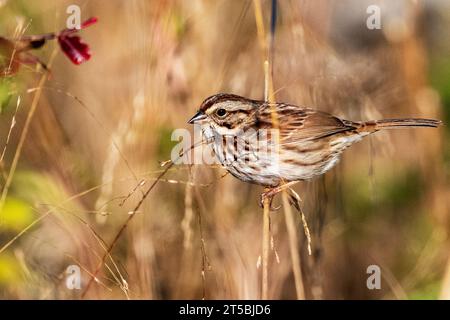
{"x": 268, "y": 195}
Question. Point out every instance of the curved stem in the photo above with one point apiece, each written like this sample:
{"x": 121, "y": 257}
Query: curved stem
{"x": 265, "y": 250}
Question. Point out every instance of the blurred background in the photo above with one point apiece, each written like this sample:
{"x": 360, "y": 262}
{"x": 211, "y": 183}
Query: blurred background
{"x": 101, "y": 130}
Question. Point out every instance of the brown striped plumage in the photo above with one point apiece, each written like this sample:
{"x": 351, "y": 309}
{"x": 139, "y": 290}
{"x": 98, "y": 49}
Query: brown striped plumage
{"x": 307, "y": 143}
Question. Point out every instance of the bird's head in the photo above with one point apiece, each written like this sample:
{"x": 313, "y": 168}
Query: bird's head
{"x": 225, "y": 112}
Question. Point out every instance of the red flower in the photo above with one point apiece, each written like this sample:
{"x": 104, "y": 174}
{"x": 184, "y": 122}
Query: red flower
{"x": 72, "y": 45}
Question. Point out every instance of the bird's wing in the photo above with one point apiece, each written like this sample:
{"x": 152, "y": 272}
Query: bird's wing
{"x": 298, "y": 124}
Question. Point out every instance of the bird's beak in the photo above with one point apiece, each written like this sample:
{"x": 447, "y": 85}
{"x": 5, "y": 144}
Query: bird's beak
{"x": 197, "y": 117}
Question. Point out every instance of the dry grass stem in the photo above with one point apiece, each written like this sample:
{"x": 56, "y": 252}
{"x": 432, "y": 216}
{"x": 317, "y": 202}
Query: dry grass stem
{"x": 206, "y": 265}
{"x": 265, "y": 250}
{"x": 24, "y": 133}
{"x": 296, "y": 202}
{"x": 307, "y": 233}
{"x": 187, "y": 219}
{"x": 122, "y": 229}
{"x": 8, "y": 137}
{"x": 128, "y": 220}
{"x": 293, "y": 247}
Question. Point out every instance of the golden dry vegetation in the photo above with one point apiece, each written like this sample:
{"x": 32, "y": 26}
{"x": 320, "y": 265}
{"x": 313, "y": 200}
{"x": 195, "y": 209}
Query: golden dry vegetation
{"x": 101, "y": 130}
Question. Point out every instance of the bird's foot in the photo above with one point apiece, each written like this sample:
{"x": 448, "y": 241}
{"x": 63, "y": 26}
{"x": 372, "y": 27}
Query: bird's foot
{"x": 271, "y": 193}
{"x": 268, "y": 195}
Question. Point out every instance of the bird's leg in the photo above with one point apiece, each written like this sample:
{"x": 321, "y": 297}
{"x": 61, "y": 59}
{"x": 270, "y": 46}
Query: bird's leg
{"x": 264, "y": 197}
{"x": 270, "y": 194}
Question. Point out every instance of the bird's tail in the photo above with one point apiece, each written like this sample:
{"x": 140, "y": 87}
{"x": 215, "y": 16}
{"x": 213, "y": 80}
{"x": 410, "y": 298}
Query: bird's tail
{"x": 372, "y": 126}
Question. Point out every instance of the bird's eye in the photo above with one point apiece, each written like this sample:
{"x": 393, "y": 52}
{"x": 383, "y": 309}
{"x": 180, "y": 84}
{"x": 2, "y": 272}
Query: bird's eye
{"x": 221, "y": 112}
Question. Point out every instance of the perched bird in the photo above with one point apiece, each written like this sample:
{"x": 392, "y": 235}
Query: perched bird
{"x": 276, "y": 145}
